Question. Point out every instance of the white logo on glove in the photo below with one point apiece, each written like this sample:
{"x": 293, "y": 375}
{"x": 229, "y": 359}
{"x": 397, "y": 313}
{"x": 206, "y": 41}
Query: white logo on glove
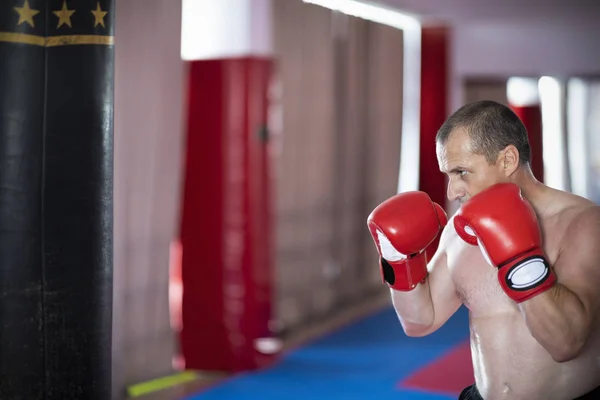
{"x": 388, "y": 252}
{"x": 469, "y": 231}
{"x": 527, "y": 274}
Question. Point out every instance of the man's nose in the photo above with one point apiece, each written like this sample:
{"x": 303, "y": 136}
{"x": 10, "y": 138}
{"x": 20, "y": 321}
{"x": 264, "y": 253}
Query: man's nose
{"x": 455, "y": 192}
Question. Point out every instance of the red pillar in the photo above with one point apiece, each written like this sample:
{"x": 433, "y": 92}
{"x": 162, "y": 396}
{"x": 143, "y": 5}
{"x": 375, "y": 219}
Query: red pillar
{"x": 524, "y": 99}
{"x": 226, "y": 263}
{"x": 531, "y": 116}
{"x": 434, "y": 97}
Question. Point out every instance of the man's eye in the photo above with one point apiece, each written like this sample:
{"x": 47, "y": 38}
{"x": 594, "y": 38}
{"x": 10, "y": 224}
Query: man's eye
{"x": 462, "y": 173}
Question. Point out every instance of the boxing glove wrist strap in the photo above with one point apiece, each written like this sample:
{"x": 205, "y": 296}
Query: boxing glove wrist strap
{"x": 526, "y": 276}
{"x": 406, "y": 274}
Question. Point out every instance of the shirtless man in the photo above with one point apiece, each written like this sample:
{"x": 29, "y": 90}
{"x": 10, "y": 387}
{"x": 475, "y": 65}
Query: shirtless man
{"x": 522, "y": 257}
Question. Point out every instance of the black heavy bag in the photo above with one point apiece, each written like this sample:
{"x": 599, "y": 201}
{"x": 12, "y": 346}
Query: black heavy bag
{"x": 56, "y": 180}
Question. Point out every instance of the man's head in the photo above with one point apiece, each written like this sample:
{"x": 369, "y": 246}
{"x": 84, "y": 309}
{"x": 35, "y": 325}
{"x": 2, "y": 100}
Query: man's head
{"x": 481, "y": 144}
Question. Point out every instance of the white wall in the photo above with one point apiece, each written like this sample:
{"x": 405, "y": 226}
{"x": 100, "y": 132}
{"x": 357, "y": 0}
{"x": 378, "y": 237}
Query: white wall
{"x": 509, "y": 49}
{"x": 149, "y": 93}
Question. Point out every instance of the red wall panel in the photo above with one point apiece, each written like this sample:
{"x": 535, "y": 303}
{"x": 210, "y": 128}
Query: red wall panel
{"x": 225, "y": 229}
{"x": 434, "y": 97}
{"x": 532, "y": 119}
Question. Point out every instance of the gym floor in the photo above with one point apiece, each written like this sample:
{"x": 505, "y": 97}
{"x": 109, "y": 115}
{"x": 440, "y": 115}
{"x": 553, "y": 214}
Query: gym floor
{"x": 368, "y": 357}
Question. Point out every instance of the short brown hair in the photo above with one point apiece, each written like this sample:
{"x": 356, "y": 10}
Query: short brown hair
{"x": 491, "y": 126}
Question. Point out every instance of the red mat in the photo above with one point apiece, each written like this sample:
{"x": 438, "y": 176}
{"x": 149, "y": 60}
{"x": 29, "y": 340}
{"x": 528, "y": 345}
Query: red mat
{"x": 449, "y": 374}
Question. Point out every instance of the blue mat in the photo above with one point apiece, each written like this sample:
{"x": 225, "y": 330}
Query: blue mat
{"x": 362, "y": 361}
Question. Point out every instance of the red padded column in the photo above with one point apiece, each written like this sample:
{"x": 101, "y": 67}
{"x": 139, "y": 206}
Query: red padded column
{"x": 524, "y": 99}
{"x": 531, "y": 115}
{"x": 225, "y": 229}
{"x": 434, "y": 97}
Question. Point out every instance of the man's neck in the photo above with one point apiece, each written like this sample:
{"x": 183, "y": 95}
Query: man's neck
{"x": 534, "y": 191}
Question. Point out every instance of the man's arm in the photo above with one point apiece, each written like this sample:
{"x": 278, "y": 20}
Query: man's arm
{"x": 561, "y": 318}
{"x": 426, "y": 308}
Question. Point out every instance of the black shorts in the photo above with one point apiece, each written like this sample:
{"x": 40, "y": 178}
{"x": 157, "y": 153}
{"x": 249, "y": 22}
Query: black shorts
{"x": 471, "y": 393}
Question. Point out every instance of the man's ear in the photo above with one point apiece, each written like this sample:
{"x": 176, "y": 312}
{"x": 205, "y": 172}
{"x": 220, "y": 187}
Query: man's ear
{"x": 509, "y": 160}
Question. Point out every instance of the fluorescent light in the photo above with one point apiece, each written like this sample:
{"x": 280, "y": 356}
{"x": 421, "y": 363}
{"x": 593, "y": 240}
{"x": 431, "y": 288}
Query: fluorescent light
{"x": 371, "y": 12}
{"x": 553, "y": 142}
{"x": 216, "y": 29}
{"x": 408, "y": 175}
{"x": 577, "y": 114}
{"x": 522, "y": 92}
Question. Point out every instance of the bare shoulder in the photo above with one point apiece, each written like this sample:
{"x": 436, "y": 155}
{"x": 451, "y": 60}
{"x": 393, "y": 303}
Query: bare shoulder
{"x": 577, "y": 264}
{"x": 569, "y": 215}
{"x": 568, "y": 202}
{"x": 582, "y": 226}
{"x": 580, "y": 217}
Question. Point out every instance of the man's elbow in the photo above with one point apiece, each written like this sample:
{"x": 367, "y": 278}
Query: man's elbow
{"x": 416, "y": 330}
{"x": 568, "y": 350}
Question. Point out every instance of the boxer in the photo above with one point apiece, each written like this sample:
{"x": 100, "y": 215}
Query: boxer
{"x": 523, "y": 258}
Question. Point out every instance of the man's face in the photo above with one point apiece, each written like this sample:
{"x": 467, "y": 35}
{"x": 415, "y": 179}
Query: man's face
{"x": 468, "y": 173}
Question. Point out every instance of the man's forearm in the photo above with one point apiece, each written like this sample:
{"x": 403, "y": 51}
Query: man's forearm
{"x": 414, "y": 309}
{"x": 558, "y": 320}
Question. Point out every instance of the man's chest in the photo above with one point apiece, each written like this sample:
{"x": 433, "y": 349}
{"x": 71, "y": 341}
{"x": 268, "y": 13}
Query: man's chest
{"x": 476, "y": 281}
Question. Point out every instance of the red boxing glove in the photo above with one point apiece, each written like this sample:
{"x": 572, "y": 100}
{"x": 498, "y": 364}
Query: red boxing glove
{"x": 402, "y": 228}
{"x": 508, "y": 233}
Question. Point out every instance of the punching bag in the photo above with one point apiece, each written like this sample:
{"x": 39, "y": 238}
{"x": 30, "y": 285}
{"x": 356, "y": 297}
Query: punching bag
{"x": 56, "y": 182}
